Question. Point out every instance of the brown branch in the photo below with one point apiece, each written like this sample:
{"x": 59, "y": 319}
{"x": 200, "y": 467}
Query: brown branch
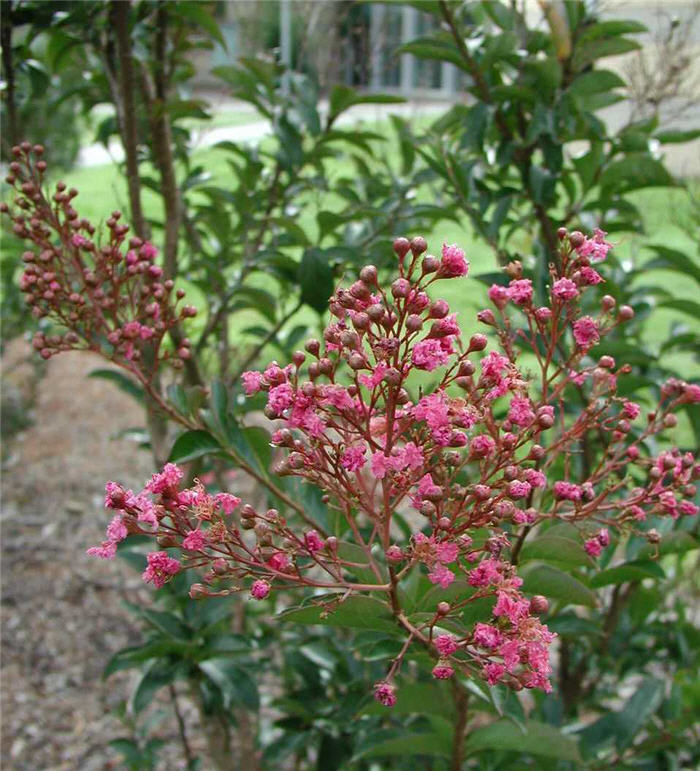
{"x": 126, "y": 112}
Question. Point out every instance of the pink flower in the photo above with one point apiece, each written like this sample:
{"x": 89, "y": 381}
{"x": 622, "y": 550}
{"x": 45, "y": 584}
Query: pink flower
{"x": 441, "y": 575}
{"x": 593, "y": 547}
{"x": 195, "y": 541}
{"x": 385, "y": 694}
{"x": 279, "y": 561}
{"x": 535, "y": 478}
{"x": 520, "y": 291}
{"x": 446, "y": 645}
{"x": 567, "y": 491}
{"x": 590, "y": 277}
{"x": 543, "y": 314}
{"x": 280, "y": 398}
{"x": 520, "y": 411}
{"x": 167, "y": 481}
{"x": 106, "y": 550}
{"x": 688, "y": 508}
{"x": 443, "y": 671}
{"x": 411, "y": 456}
{"x": 518, "y": 489}
{"x": 499, "y": 295}
{"x": 116, "y": 530}
{"x": 260, "y": 589}
{"x": 430, "y": 354}
{"x": 114, "y": 496}
{"x": 160, "y": 569}
{"x": 380, "y": 464}
{"x": 353, "y": 459}
{"x": 453, "y": 262}
{"x": 595, "y": 248}
{"x": 252, "y": 382}
{"x": 487, "y": 636}
{"x": 631, "y": 410}
{"x": 586, "y": 332}
{"x": 603, "y": 537}
{"x": 564, "y": 289}
{"x": 485, "y": 573}
{"x": 482, "y": 445}
{"x": 513, "y": 609}
{"x": 494, "y": 672}
{"x": 227, "y": 502}
{"x": 313, "y": 541}
{"x": 446, "y": 552}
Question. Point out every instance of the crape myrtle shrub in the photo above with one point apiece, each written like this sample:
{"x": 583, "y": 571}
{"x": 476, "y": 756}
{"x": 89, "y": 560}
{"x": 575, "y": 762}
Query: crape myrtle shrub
{"x": 464, "y": 501}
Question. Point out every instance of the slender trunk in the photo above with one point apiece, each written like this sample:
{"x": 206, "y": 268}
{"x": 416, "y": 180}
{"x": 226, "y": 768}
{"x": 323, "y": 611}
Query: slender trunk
{"x": 461, "y": 701}
{"x": 126, "y": 112}
{"x": 155, "y": 93}
{"x": 8, "y": 65}
{"x": 217, "y": 735}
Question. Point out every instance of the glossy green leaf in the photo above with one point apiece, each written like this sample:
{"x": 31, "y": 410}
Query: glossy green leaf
{"x": 356, "y": 612}
{"x": 635, "y": 171}
{"x": 555, "y": 548}
{"x": 343, "y": 98}
{"x": 235, "y": 683}
{"x": 430, "y": 744}
{"x": 316, "y": 279}
{"x": 629, "y": 571}
{"x": 157, "y": 675}
{"x": 555, "y": 584}
{"x": 538, "y": 739}
{"x": 193, "y": 444}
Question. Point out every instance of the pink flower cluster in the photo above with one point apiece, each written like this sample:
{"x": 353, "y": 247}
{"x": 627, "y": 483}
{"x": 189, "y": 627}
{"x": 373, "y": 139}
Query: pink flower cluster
{"x": 478, "y": 455}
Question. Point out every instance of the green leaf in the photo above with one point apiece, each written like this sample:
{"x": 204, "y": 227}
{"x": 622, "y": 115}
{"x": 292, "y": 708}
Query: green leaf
{"x": 671, "y": 259}
{"x": 436, "y": 50}
{"x": 538, "y": 739}
{"x": 630, "y": 571}
{"x": 343, "y": 98}
{"x": 201, "y": 15}
{"x": 638, "y": 709}
{"x": 432, "y": 744}
{"x": 168, "y": 623}
{"x": 193, "y": 444}
{"x": 316, "y": 279}
{"x": 595, "y": 82}
{"x": 677, "y": 136}
{"x": 635, "y": 171}
{"x": 158, "y": 674}
{"x": 557, "y": 585}
{"x": 554, "y": 548}
{"x": 356, "y": 612}
{"x": 690, "y": 307}
{"x": 122, "y": 381}
{"x": 234, "y": 682}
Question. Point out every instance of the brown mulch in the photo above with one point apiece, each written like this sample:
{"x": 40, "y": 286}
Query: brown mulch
{"x": 61, "y": 612}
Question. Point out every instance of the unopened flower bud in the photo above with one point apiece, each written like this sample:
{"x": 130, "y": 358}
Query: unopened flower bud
{"x": 626, "y": 313}
{"x": 539, "y": 605}
{"x": 430, "y": 263}
{"x": 443, "y": 608}
{"x": 313, "y": 347}
{"x": 401, "y": 246}
{"x": 418, "y": 245}
{"x": 477, "y": 343}
{"x": 577, "y": 239}
{"x": 414, "y": 323}
{"x": 400, "y": 288}
{"x": 670, "y": 421}
{"x": 368, "y": 275}
{"x": 486, "y": 317}
{"x": 653, "y": 536}
{"x": 438, "y": 310}
{"x": 607, "y": 303}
